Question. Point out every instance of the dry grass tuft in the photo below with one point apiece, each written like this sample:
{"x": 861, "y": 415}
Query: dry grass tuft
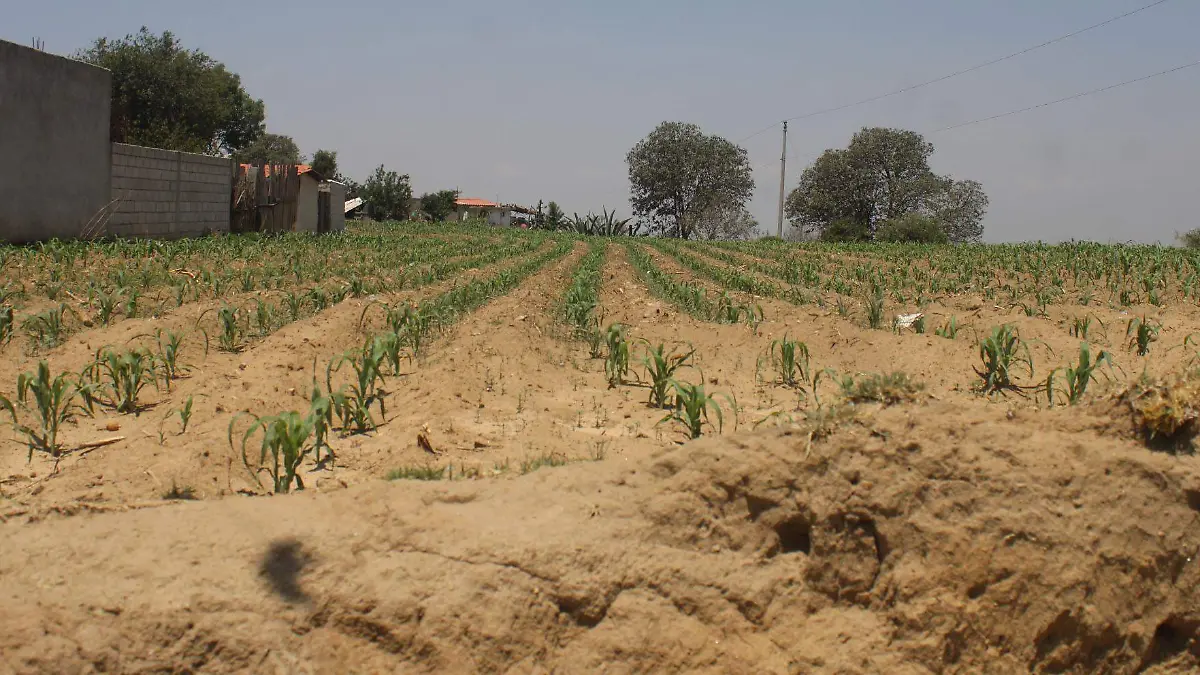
{"x": 1165, "y": 412}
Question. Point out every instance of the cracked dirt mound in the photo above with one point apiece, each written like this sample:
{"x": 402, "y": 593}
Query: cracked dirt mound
{"x": 917, "y": 539}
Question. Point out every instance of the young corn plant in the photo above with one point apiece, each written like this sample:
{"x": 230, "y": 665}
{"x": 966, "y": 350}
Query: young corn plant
{"x": 47, "y": 328}
{"x": 229, "y": 320}
{"x": 51, "y": 401}
{"x": 1141, "y": 332}
{"x": 693, "y": 409}
{"x": 352, "y": 403}
{"x": 1081, "y": 327}
{"x": 616, "y": 360}
{"x": 185, "y": 414}
{"x": 122, "y": 376}
{"x": 791, "y": 361}
{"x": 661, "y": 366}
{"x": 320, "y": 413}
{"x": 106, "y": 303}
{"x": 1079, "y": 376}
{"x": 285, "y": 444}
{"x": 1001, "y": 353}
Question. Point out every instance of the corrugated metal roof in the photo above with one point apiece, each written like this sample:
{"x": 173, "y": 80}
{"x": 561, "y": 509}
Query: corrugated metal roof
{"x": 353, "y": 204}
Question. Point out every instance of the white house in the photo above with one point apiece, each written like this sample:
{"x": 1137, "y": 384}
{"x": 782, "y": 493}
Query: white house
{"x": 466, "y": 208}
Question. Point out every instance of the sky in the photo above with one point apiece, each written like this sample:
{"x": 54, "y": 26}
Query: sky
{"x": 527, "y": 100}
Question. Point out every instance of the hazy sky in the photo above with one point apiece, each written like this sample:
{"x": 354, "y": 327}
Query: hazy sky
{"x": 541, "y": 99}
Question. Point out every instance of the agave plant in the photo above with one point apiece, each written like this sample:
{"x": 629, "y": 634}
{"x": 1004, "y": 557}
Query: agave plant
{"x": 606, "y": 224}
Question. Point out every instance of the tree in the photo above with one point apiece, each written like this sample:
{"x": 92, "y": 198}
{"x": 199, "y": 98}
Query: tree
{"x": 912, "y": 227}
{"x": 270, "y": 149}
{"x": 725, "y": 223}
{"x": 959, "y": 206}
{"x": 1190, "y": 239}
{"x": 388, "y": 193}
{"x": 165, "y": 96}
{"x": 556, "y": 218}
{"x": 325, "y": 163}
{"x": 882, "y": 175}
{"x": 439, "y": 205}
{"x": 677, "y": 173}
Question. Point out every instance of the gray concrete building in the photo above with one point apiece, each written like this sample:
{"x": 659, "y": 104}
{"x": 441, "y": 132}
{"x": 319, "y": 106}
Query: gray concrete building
{"x": 55, "y": 155}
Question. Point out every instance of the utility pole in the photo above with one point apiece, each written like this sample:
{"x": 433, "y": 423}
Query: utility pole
{"x": 782, "y": 180}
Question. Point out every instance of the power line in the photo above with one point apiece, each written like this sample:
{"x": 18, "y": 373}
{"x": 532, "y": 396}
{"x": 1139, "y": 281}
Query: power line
{"x": 1067, "y": 98}
{"x": 964, "y": 71}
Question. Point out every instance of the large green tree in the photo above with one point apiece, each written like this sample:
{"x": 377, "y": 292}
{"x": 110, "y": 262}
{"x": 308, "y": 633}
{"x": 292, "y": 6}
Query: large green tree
{"x": 881, "y": 176}
{"x": 270, "y": 149}
{"x": 439, "y": 205}
{"x": 677, "y": 173}
{"x": 388, "y": 194}
{"x": 165, "y": 96}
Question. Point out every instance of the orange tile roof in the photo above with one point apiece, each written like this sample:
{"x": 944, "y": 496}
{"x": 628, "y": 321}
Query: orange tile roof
{"x": 466, "y": 201}
{"x": 301, "y": 169}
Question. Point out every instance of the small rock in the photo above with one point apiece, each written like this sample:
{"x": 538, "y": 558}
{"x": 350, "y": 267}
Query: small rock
{"x": 112, "y": 426}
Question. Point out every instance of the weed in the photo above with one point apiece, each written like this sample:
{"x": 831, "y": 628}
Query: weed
{"x": 549, "y": 459}
{"x": 875, "y": 306}
{"x": 180, "y": 493}
{"x": 949, "y": 330}
{"x": 888, "y": 389}
{"x": 1141, "y": 332}
{"x": 616, "y": 360}
{"x": 6, "y": 325}
{"x": 426, "y": 473}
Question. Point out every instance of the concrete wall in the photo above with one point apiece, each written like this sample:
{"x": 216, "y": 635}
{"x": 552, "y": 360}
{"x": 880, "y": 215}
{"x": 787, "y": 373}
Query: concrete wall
{"x": 337, "y": 198}
{"x": 54, "y": 149}
{"x": 306, "y": 204}
{"x": 168, "y": 194}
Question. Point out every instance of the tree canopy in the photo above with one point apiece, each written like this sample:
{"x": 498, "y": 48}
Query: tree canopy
{"x": 883, "y": 175}
{"x": 725, "y": 223}
{"x": 388, "y": 193}
{"x": 677, "y": 173}
{"x": 270, "y": 149}
{"x": 439, "y": 205}
{"x": 325, "y": 163}
{"x": 165, "y": 96}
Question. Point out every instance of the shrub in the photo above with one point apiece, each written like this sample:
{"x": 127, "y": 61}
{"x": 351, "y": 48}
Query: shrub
{"x": 913, "y": 228}
{"x": 844, "y": 230}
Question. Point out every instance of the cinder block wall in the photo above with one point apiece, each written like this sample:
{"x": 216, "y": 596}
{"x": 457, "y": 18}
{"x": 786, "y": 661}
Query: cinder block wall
{"x": 54, "y": 149}
{"x": 167, "y": 194}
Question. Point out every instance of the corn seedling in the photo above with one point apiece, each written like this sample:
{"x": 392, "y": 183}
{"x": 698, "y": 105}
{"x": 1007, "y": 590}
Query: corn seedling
{"x": 693, "y": 407}
{"x": 352, "y": 403}
{"x": 185, "y": 414}
{"x": 1141, "y": 332}
{"x": 1001, "y": 352}
{"x": 660, "y": 367}
{"x": 1079, "y": 376}
{"x": 106, "y": 305}
{"x": 1081, "y": 327}
{"x": 285, "y": 444}
{"x": 229, "y": 320}
{"x": 616, "y": 359}
{"x": 47, "y": 328}
{"x": 122, "y": 376}
{"x": 54, "y": 401}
